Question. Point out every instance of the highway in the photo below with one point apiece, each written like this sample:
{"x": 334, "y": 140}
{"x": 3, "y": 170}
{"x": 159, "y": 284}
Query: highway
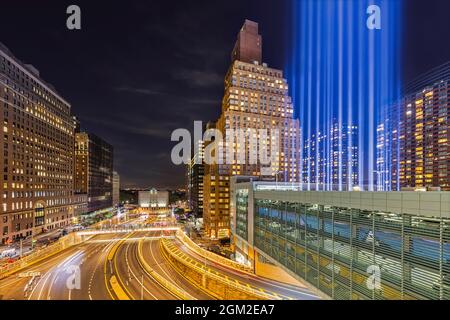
{"x": 154, "y": 257}
{"x": 281, "y": 290}
{"x": 52, "y": 282}
{"x": 126, "y": 266}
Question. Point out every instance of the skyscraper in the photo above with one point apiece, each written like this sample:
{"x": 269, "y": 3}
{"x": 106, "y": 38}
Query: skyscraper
{"x": 248, "y": 47}
{"x": 195, "y": 174}
{"x": 116, "y": 189}
{"x": 256, "y": 97}
{"x": 330, "y": 160}
{"x": 37, "y": 146}
{"x": 413, "y": 140}
{"x": 94, "y": 170}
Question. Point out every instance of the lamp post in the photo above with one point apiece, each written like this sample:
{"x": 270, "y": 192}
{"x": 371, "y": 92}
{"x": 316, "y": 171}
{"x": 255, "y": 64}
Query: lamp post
{"x": 276, "y": 178}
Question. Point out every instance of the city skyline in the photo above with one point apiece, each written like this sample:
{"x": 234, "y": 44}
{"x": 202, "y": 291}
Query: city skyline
{"x": 233, "y": 151}
{"x": 142, "y": 84}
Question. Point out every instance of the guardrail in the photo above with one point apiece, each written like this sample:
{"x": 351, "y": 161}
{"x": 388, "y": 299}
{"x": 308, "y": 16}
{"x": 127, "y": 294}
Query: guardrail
{"x": 180, "y": 293}
{"x": 125, "y": 230}
{"x": 210, "y": 255}
{"x": 41, "y": 254}
{"x": 229, "y": 288}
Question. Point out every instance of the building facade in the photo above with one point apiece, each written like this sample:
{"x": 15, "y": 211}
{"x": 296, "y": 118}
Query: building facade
{"x": 195, "y": 174}
{"x": 37, "y": 146}
{"x": 116, "y": 189}
{"x": 414, "y": 147}
{"x": 154, "y": 199}
{"x": 331, "y": 160}
{"x": 94, "y": 170}
{"x": 256, "y": 98}
{"x": 340, "y": 242}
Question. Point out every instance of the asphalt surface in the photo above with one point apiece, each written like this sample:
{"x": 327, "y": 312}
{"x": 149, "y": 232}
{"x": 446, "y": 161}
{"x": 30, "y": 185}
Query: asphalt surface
{"x": 84, "y": 272}
{"x": 155, "y": 258}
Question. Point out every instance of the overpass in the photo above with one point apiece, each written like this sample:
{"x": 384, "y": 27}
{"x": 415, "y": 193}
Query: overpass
{"x": 126, "y": 230}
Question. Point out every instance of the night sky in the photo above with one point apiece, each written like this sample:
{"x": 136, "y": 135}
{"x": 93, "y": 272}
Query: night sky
{"x": 140, "y": 69}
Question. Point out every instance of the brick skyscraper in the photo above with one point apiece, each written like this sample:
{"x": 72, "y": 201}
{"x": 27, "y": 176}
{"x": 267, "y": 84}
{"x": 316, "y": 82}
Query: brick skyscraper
{"x": 256, "y": 97}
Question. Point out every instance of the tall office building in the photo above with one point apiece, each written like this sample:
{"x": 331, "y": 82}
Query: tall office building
{"x": 330, "y": 160}
{"x": 94, "y": 170}
{"x": 116, "y": 189}
{"x": 413, "y": 141}
{"x": 256, "y": 97}
{"x": 37, "y": 146}
{"x": 195, "y": 174}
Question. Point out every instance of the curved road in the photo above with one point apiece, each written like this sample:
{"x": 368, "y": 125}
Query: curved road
{"x": 108, "y": 257}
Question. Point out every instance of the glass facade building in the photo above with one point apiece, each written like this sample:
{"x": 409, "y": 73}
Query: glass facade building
{"x": 352, "y": 251}
{"x": 94, "y": 170}
{"x": 413, "y": 139}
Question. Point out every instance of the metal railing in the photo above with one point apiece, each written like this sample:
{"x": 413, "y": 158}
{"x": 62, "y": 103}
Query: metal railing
{"x": 233, "y": 284}
{"x": 180, "y": 293}
{"x": 210, "y": 255}
{"x": 125, "y": 230}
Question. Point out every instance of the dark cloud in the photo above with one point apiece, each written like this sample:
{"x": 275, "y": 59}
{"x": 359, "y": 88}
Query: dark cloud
{"x": 149, "y": 92}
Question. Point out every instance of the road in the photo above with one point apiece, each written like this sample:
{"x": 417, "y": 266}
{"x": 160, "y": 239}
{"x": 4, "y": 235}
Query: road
{"x": 125, "y": 266}
{"x": 52, "y": 283}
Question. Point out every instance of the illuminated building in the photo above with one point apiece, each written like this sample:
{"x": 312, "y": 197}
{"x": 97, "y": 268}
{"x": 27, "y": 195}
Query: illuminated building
{"x": 153, "y": 199}
{"x": 116, "y": 189}
{"x": 339, "y": 171}
{"x": 256, "y": 97}
{"x": 37, "y": 146}
{"x": 334, "y": 240}
{"x": 94, "y": 170}
{"x": 414, "y": 148}
{"x": 195, "y": 174}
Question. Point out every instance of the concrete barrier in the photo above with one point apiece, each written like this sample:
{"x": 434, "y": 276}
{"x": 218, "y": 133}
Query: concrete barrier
{"x": 41, "y": 254}
{"x": 210, "y": 255}
{"x": 178, "y": 292}
{"x": 216, "y": 285}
